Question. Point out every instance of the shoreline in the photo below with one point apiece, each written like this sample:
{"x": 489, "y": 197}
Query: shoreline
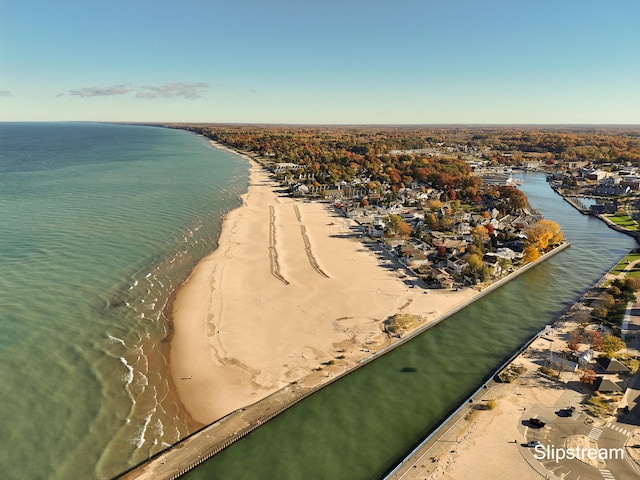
{"x": 359, "y": 341}
{"x": 218, "y": 367}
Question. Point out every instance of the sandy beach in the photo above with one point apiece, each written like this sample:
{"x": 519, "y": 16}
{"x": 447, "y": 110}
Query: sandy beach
{"x": 291, "y": 286}
{"x": 293, "y": 298}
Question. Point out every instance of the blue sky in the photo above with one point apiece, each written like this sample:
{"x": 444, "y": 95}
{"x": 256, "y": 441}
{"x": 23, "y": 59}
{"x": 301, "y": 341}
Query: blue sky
{"x": 284, "y": 61}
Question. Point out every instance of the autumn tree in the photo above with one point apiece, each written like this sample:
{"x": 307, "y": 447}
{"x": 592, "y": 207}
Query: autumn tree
{"x": 512, "y": 197}
{"x": 611, "y": 345}
{"x": 607, "y": 301}
{"x": 397, "y": 226}
{"x": 595, "y": 339}
{"x": 431, "y": 221}
{"x": 601, "y": 312}
{"x": 434, "y": 205}
{"x": 474, "y": 262}
{"x": 623, "y": 289}
{"x": 480, "y": 234}
{"x": 588, "y": 376}
{"x": 404, "y": 229}
{"x": 531, "y": 254}
{"x": 544, "y": 233}
{"x": 575, "y": 339}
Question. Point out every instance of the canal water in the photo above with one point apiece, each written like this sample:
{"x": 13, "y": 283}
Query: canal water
{"x": 362, "y": 425}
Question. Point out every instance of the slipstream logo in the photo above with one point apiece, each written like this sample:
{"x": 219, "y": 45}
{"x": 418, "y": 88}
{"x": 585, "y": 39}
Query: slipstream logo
{"x": 551, "y": 452}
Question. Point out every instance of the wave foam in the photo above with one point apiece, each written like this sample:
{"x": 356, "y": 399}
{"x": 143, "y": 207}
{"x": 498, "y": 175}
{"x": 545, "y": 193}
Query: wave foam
{"x": 128, "y": 377}
{"x": 113, "y": 340}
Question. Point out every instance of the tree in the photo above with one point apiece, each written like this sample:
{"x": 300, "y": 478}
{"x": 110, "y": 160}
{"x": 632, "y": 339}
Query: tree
{"x": 490, "y": 229}
{"x": 480, "y": 234}
{"x": 434, "y": 205}
{"x": 600, "y": 311}
{"x": 544, "y": 233}
{"x": 614, "y": 291}
{"x": 531, "y": 254}
{"x": 515, "y": 198}
{"x": 431, "y": 221}
{"x": 396, "y": 225}
{"x": 595, "y": 339}
{"x": 611, "y": 344}
{"x": 606, "y": 301}
{"x": 581, "y": 316}
{"x": 404, "y": 229}
{"x": 575, "y": 339}
{"x": 588, "y": 376}
{"x": 475, "y": 262}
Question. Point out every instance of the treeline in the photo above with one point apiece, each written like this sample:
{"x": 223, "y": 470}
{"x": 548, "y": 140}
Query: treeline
{"x": 599, "y": 145}
{"x": 369, "y": 146}
{"x": 332, "y": 154}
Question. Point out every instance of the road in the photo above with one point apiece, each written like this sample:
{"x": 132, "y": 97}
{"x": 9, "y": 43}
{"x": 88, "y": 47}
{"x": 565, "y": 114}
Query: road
{"x": 562, "y": 432}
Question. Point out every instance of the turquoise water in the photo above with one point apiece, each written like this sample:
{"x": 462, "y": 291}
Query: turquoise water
{"x": 360, "y": 426}
{"x": 98, "y": 224}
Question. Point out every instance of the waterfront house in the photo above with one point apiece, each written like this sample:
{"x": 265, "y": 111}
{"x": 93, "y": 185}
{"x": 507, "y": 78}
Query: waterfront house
{"x": 456, "y": 265}
{"x": 493, "y": 262}
{"x": 611, "y": 190}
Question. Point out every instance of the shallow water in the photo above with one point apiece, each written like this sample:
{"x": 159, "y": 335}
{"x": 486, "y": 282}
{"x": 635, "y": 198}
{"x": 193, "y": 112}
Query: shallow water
{"x": 99, "y": 223}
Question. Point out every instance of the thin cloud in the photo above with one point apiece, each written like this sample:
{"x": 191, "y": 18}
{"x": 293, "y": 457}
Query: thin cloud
{"x": 5, "y": 93}
{"x": 190, "y": 91}
{"x": 102, "y": 91}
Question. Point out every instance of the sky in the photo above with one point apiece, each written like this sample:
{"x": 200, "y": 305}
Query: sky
{"x": 321, "y": 61}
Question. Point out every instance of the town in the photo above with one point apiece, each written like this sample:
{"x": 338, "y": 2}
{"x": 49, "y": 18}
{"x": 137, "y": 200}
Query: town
{"x": 445, "y": 200}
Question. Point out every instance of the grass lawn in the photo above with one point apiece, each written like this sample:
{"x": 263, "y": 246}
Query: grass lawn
{"x": 624, "y": 221}
{"x": 632, "y": 257}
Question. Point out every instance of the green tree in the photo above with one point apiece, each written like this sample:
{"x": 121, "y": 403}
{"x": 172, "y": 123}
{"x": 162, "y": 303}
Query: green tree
{"x": 475, "y": 262}
{"x": 611, "y": 345}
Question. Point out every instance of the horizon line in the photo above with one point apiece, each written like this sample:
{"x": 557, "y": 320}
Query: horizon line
{"x": 293, "y": 124}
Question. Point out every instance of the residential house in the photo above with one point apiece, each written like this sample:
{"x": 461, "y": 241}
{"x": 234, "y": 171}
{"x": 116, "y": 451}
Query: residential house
{"x": 493, "y": 261}
{"x": 456, "y": 265}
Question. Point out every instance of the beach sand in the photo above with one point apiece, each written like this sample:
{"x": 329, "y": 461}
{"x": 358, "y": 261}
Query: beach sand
{"x": 292, "y": 285}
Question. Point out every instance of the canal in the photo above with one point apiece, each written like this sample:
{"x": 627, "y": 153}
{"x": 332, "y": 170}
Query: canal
{"x": 360, "y": 426}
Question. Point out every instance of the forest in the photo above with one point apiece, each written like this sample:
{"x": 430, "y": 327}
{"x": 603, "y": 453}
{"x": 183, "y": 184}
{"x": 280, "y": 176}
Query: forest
{"x": 398, "y": 153}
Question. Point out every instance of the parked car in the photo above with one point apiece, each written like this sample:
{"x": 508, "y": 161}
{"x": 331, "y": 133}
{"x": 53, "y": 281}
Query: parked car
{"x": 536, "y": 422}
{"x": 533, "y": 443}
